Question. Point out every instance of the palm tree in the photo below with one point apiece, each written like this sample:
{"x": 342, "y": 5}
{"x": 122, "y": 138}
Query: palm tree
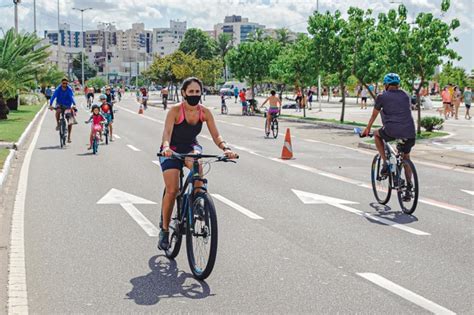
{"x": 283, "y": 36}
{"x": 224, "y": 44}
{"x": 20, "y": 62}
{"x": 256, "y": 36}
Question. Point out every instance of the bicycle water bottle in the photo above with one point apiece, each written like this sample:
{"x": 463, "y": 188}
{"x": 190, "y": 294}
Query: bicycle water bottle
{"x": 393, "y": 163}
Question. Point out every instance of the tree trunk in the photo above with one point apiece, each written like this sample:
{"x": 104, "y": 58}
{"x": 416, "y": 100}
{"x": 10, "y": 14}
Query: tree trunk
{"x": 4, "y": 110}
{"x": 176, "y": 93}
{"x": 12, "y": 103}
{"x": 343, "y": 101}
{"x": 329, "y": 93}
{"x": 418, "y": 102}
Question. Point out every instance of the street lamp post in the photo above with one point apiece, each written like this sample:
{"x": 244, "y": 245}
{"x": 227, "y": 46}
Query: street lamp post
{"x": 59, "y": 41}
{"x": 106, "y": 66}
{"x": 319, "y": 75}
{"x": 16, "y": 2}
{"x": 83, "y": 41}
{"x": 34, "y": 17}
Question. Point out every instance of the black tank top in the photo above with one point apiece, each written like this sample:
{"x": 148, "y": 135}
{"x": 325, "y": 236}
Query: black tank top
{"x": 184, "y": 135}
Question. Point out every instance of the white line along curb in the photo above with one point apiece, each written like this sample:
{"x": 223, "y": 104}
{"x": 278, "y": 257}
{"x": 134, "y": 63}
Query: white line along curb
{"x": 6, "y": 167}
{"x": 30, "y": 125}
{"x": 17, "y": 293}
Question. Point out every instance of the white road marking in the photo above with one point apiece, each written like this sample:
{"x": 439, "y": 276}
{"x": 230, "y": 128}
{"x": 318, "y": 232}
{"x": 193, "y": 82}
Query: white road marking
{"x": 237, "y": 207}
{"x": 145, "y": 224}
{"x": 238, "y": 125}
{"x": 141, "y": 115}
{"x": 117, "y": 136}
{"x": 17, "y": 290}
{"x": 133, "y": 148}
{"x": 446, "y": 206}
{"x": 405, "y": 293}
{"x": 127, "y": 201}
{"x": 157, "y": 163}
{"x": 310, "y": 198}
{"x": 470, "y": 192}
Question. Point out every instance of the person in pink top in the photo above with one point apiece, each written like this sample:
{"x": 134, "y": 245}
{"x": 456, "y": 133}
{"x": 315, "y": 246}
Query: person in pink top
{"x": 446, "y": 97}
{"x": 97, "y": 120}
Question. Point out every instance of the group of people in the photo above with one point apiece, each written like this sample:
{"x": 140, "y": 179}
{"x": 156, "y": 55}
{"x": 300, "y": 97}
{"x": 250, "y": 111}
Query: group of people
{"x": 101, "y": 114}
{"x": 452, "y": 98}
{"x": 247, "y": 99}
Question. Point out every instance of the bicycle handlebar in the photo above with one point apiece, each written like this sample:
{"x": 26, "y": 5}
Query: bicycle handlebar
{"x": 358, "y": 131}
{"x": 219, "y": 158}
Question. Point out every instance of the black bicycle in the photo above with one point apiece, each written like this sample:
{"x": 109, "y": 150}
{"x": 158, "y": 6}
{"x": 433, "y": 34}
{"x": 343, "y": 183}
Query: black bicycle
{"x": 273, "y": 124}
{"x": 106, "y": 131}
{"x": 194, "y": 214}
{"x": 165, "y": 101}
{"x": 401, "y": 176}
{"x": 63, "y": 122}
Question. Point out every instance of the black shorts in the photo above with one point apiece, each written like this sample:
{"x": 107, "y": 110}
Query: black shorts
{"x": 468, "y": 106}
{"x": 406, "y": 145}
{"x": 48, "y": 97}
{"x": 90, "y": 95}
{"x": 172, "y": 163}
{"x": 364, "y": 99}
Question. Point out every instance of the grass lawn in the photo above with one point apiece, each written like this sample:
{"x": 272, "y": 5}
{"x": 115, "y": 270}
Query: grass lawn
{"x": 12, "y": 128}
{"x": 334, "y": 121}
{"x": 423, "y": 136}
{"x": 3, "y": 156}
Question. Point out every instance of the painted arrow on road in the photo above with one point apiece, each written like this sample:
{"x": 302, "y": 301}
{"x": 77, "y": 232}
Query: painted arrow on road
{"x": 310, "y": 198}
{"x": 127, "y": 201}
{"x": 468, "y": 192}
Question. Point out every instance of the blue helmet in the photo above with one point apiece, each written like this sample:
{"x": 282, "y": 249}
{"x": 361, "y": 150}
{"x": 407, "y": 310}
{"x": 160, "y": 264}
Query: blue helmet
{"x": 391, "y": 78}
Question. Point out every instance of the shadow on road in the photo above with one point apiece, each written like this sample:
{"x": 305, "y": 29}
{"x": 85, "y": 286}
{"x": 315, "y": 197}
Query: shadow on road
{"x": 397, "y": 216}
{"x": 52, "y": 147}
{"x": 166, "y": 281}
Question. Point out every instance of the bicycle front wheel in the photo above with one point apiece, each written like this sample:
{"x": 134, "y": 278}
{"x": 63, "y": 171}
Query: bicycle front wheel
{"x": 275, "y": 128}
{"x": 408, "y": 186}
{"x": 175, "y": 228}
{"x": 95, "y": 145}
{"x": 381, "y": 184}
{"x": 201, "y": 236}
{"x": 267, "y": 131}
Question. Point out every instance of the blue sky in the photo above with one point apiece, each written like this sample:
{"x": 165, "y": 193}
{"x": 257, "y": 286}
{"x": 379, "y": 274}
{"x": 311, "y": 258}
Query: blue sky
{"x": 205, "y": 13}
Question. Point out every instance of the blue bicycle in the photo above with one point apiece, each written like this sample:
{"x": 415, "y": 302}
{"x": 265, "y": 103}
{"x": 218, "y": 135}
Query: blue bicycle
{"x": 194, "y": 215}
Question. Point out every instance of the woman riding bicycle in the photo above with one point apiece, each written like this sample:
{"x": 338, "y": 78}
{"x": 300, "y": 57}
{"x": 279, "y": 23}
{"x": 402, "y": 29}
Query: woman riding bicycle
{"x": 182, "y": 126}
{"x": 275, "y": 104}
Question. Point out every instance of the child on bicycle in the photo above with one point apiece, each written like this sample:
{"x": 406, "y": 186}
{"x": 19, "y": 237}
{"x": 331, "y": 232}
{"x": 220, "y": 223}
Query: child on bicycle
{"x": 275, "y": 105}
{"x": 108, "y": 113}
{"x": 97, "y": 121}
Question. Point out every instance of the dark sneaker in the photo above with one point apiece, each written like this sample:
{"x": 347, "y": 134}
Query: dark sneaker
{"x": 164, "y": 243}
{"x": 385, "y": 169}
{"x": 408, "y": 195}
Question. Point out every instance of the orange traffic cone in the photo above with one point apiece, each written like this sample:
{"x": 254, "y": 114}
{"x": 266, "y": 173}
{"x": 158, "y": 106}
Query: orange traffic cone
{"x": 140, "y": 110}
{"x": 287, "y": 152}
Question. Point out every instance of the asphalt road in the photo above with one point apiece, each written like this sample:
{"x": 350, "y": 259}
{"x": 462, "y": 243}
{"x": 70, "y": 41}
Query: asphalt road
{"x": 346, "y": 256}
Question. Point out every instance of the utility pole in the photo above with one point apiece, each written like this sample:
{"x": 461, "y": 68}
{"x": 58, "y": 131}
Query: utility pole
{"x": 59, "y": 41}
{"x": 83, "y": 41}
{"x": 106, "y": 66}
{"x": 16, "y": 2}
{"x": 319, "y": 75}
{"x": 34, "y": 17}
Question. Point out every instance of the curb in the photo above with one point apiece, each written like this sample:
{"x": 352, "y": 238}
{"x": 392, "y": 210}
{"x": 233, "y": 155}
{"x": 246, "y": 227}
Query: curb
{"x": 6, "y": 167}
{"x": 368, "y": 146}
{"x": 15, "y": 145}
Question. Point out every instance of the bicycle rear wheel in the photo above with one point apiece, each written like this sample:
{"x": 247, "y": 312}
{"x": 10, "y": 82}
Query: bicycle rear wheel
{"x": 95, "y": 145}
{"x": 201, "y": 236}
{"x": 408, "y": 186}
{"x": 267, "y": 130}
{"x": 381, "y": 184}
{"x": 63, "y": 132}
{"x": 275, "y": 128}
{"x": 106, "y": 134}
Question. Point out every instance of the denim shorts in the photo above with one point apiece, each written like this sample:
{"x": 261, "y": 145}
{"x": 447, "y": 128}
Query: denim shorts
{"x": 172, "y": 163}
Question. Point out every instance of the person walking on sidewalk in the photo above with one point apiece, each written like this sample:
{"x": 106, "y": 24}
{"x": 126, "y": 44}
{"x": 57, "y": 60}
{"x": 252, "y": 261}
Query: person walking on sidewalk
{"x": 446, "y": 97}
{"x": 467, "y": 101}
{"x": 457, "y": 96}
{"x": 298, "y": 99}
{"x": 363, "y": 96}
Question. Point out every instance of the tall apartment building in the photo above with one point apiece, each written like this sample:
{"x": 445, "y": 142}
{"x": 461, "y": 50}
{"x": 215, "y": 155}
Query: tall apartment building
{"x": 166, "y": 40}
{"x": 239, "y": 28}
{"x": 66, "y": 37}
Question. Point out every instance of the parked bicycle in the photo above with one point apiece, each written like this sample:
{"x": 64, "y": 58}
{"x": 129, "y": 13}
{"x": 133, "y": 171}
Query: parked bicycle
{"x": 194, "y": 215}
{"x": 402, "y": 177}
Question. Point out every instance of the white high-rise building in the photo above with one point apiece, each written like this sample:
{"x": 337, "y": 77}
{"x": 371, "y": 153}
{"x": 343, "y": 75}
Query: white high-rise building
{"x": 166, "y": 40}
{"x": 239, "y": 28}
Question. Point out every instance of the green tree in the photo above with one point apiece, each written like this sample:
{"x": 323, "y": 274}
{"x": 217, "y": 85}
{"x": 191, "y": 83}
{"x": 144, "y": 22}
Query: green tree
{"x": 224, "y": 43}
{"x": 196, "y": 40}
{"x": 20, "y": 63}
{"x": 454, "y": 75}
{"x": 96, "y": 82}
{"x": 256, "y": 36}
{"x": 89, "y": 70}
{"x": 424, "y": 47}
{"x": 49, "y": 75}
{"x": 283, "y": 36}
{"x": 332, "y": 47}
{"x": 251, "y": 60}
{"x": 294, "y": 66}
